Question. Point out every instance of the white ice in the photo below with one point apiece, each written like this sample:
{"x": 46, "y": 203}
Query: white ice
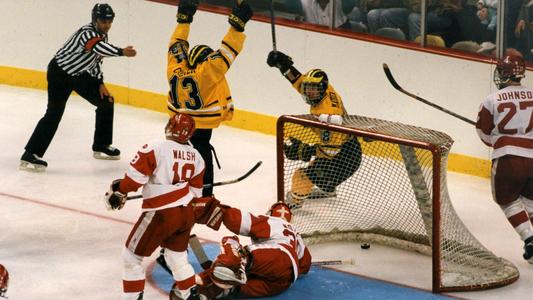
{"x": 59, "y": 242}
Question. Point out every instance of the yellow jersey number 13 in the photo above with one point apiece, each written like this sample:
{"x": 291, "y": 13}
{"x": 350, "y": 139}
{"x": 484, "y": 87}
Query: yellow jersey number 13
{"x": 185, "y": 92}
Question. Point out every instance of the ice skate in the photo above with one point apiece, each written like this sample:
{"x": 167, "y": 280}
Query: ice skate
{"x": 106, "y": 152}
{"x": 293, "y": 202}
{"x": 32, "y": 162}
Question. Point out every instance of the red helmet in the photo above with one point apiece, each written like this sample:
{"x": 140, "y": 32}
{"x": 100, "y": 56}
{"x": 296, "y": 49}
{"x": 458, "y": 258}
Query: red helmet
{"x": 280, "y": 210}
{"x": 180, "y": 128}
{"x": 4, "y": 280}
{"x": 509, "y": 67}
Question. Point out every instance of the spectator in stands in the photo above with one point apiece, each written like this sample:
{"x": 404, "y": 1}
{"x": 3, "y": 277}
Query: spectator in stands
{"x": 352, "y": 9}
{"x": 486, "y": 13}
{"x": 523, "y": 30}
{"x": 385, "y": 14}
{"x": 432, "y": 41}
{"x": 438, "y": 16}
{"x": 319, "y": 12}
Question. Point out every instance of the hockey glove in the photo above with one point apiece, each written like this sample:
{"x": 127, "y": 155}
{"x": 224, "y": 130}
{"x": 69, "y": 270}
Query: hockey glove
{"x": 240, "y": 14}
{"x": 114, "y": 200}
{"x": 228, "y": 268}
{"x": 297, "y": 150}
{"x": 208, "y": 211}
{"x": 186, "y": 10}
{"x": 279, "y": 60}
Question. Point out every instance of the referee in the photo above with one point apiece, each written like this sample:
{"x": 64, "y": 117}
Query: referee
{"x": 77, "y": 66}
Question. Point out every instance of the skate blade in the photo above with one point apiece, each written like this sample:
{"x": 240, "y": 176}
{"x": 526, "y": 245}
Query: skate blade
{"x": 100, "y": 155}
{"x": 26, "y": 166}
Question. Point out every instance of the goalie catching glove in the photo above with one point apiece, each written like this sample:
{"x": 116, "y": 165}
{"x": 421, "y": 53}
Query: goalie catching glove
{"x": 228, "y": 270}
{"x": 295, "y": 149}
{"x": 115, "y": 200}
{"x": 241, "y": 13}
{"x": 186, "y": 10}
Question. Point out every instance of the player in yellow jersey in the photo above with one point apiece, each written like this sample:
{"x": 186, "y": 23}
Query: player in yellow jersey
{"x": 196, "y": 77}
{"x": 337, "y": 156}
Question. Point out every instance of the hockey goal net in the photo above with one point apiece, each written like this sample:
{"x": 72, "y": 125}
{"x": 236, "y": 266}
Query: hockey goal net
{"x": 389, "y": 187}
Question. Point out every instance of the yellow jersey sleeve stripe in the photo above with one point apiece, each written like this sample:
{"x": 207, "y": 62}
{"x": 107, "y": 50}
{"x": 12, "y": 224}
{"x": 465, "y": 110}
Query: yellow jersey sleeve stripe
{"x": 230, "y": 48}
{"x": 227, "y": 54}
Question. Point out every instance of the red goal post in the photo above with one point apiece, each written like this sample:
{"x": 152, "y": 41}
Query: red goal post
{"x": 396, "y": 197}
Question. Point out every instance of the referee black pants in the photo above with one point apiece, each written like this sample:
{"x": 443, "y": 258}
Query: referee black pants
{"x": 60, "y": 86}
{"x": 201, "y": 142}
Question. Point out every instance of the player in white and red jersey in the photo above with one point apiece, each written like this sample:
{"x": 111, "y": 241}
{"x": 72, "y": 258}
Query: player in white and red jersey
{"x": 170, "y": 173}
{"x": 268, "y": 266}
{"x": 505, "y": 123}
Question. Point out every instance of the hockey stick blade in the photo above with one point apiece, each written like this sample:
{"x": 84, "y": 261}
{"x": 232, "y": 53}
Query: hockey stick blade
{"x": 257, "y": 165}
{"x": 395, "y": 84}
{"x": 333, "y": 262}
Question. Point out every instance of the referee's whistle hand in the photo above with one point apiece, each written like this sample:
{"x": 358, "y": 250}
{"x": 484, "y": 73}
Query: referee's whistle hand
{"x": 129, "y": 51}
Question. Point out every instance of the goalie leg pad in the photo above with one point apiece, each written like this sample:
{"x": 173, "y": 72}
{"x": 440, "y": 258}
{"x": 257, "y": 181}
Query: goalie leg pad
{"x": 226, "y": 278}
{"x": 301, "y": 185}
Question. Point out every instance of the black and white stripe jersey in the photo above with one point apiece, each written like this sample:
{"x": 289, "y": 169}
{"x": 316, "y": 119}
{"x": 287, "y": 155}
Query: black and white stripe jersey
{"x": 84, "y": 52}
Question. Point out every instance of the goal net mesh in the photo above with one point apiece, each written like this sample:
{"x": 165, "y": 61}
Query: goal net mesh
{"x": 371, "y": 180}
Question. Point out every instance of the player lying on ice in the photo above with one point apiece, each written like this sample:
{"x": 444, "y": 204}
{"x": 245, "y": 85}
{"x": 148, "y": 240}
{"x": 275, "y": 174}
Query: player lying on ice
{"x": 275, "y": 259}
{"x": 337, "y": 156}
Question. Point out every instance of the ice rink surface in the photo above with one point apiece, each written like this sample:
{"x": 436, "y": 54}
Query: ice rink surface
{"x": 58, "y": 241}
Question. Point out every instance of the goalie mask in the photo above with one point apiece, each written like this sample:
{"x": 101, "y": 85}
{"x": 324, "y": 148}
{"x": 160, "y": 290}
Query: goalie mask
{"x": 180, "y": 128}
{"x": 198, "y": 54}
{"x": 313, "y": 87}
{"x": 280, "y": 210}
{"x": 509, "y": 68}
{"x": 4, "y": 280}
{"x": 102, "y": 11}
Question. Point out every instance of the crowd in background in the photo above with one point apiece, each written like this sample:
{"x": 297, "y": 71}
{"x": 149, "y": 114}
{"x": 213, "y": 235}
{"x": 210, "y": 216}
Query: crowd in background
{"x": 463, "y": 25}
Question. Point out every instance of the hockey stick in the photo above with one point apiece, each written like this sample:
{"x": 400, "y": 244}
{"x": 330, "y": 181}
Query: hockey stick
{"x": 272, "y": 25}
{"x": 218, "y": 183}
{"x": 399, "y": 88}
{"x": 198, "y": 251}
{"x": 333, "y": 262}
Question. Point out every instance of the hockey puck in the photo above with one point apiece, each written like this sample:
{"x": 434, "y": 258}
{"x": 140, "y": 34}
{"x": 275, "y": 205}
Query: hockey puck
{"x": 365, "y": 246}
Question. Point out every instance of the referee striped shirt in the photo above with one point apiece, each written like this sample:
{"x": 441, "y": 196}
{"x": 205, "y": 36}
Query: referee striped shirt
{"x": 84, "y": 52}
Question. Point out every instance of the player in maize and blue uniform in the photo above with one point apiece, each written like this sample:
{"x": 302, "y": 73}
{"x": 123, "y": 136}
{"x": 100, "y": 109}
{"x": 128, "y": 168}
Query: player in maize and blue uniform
{"x": 197, "y": 81}
{"x": 335, "y": 156}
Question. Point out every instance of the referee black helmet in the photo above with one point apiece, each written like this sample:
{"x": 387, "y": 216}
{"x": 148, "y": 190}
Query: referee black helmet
{"x": 102, "y": 11}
